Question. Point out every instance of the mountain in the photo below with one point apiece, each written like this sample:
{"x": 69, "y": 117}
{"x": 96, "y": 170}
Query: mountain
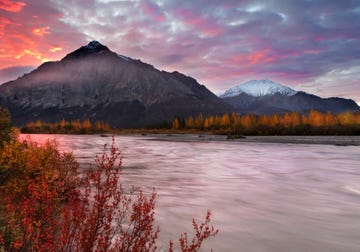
{"x": 94, "y": 82}
{"x": 259, "y": 88}
{"x": 267, "y": 97}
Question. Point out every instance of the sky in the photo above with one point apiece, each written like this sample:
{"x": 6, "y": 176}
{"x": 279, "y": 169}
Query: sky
{"x": 313, "y": 46}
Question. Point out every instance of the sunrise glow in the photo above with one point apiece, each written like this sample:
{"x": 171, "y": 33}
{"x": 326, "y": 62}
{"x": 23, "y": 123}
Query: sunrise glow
{"x": 221, "y": 44}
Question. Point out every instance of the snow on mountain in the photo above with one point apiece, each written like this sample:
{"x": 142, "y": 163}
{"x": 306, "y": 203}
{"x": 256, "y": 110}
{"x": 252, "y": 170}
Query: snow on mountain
{"x": 259, "y": 88}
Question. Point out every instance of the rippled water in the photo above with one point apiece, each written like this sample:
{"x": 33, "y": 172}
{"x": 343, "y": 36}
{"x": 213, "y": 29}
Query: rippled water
{"x": 263, "y": 196}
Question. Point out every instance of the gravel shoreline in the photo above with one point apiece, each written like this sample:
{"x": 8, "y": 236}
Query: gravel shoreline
{"x": 324, "y": 140}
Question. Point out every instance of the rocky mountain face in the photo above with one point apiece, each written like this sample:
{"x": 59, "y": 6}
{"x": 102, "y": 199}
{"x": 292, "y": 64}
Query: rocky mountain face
{"x": 96, "y": 83}
{"x": 267, "y": 97}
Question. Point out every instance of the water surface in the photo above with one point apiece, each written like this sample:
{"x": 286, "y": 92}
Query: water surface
{"x": 263, "y": 196}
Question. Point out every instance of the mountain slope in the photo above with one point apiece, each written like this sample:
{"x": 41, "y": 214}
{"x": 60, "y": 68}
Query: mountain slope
{"x": 267, "y": 97}
{"x": 96, "y": 83}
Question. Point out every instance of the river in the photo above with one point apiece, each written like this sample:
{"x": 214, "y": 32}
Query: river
{"x": 263, "y": 196}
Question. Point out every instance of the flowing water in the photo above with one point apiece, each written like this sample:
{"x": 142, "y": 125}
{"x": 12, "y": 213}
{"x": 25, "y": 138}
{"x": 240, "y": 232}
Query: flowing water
{"x": 263, "y": 196}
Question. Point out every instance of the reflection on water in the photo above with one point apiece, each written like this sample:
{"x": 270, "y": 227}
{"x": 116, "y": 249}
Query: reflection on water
{"x": 263, "y": 196}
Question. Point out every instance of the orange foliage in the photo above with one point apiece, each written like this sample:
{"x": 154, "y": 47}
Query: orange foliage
{"x": 314, "y": 122}
{"x": 75, "y": 126}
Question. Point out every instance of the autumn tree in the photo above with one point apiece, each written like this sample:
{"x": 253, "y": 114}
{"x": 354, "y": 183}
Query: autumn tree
{"x": 63, "y": 123}
{"x": 295, "y": 119}
{"x": 176, "y": 123}
{"x": 346, "y": 118}
{"x": 329, "y": 120}
{"x": 225, "y": 121}
{"x": 316, "y": 118}
{"x": 199, "y": 121}
{"x": 86, "y": 124}
{"x": 286, "y": 120}
{"x": 190, "y": 123}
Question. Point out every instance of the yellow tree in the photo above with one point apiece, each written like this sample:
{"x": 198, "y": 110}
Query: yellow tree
{"x": 316, "y": 118}
{"x": 295, "y": 119}
{"x": 236, "y": 121}
{"x": 264, "y": 120}
{"x": 86, "y": 124}
{"x": 274, "y": 120}
{"x": 190, "y": 123}
{"x": 211, "y": 121}
{"x": 247, "y": 121}
{"x": 76, "y": 124}
{"x": 346, "y": 118}
{"x": 225, "y": 121}
{"x": 206, "y": 123}
{"x": 286, "y": 120}
{"x": 62, "y": 123}
{"x": 304, "y": 119}
{"x": 357, "y": 118}
{"x": 38, "y": 123}
{"x": 217, "y": 121}
{"x": 176, "y": 123}
{"x": 199, "y": 121}
{"x": 330, "y": 119}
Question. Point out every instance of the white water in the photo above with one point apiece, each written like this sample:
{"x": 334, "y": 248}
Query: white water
{"x": 263, "y": 196}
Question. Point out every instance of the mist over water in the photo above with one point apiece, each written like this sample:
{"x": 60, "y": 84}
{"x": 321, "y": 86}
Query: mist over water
{"x": 263, "y": 196}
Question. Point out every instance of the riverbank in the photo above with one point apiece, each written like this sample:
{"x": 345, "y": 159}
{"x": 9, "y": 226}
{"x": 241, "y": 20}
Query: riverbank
{"x": 325, "y": 140}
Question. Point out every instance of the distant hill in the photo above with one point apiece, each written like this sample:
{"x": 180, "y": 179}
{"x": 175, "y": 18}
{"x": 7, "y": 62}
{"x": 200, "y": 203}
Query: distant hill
{"x": 94, "y": 82}
{"x": 267, "y": 97}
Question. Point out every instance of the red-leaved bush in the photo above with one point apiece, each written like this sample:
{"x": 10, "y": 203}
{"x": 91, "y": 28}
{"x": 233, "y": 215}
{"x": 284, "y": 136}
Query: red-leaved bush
{"x": 97, "y": 215}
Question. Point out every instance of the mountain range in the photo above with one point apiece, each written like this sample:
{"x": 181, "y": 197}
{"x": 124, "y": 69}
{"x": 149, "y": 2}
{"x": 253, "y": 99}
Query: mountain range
{"x": 96, "y": 83}
{"x": 268, "y": 97}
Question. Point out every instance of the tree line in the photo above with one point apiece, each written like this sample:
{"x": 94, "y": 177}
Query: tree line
{"x": 293, "y": 123}
{"x": 63, "y": 126}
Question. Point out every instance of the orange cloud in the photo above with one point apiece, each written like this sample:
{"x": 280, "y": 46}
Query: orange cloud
{"x": 36, "y": 55}
{"x": 11, "y": 6}
{"x": 55, "y": 49}
{"x": 41, "y": 31}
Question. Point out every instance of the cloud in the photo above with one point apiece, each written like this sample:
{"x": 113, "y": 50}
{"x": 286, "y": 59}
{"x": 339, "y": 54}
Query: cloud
{"x": 220, "y": 43}
{"x": 28, "y": 35}
{"x": 41, "y": 31}
{"x": 11, "y": 6}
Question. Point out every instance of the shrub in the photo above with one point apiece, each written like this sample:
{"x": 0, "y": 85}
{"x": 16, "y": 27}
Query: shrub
{"x": 21, "y": 162}
{"x": 95, "y": 215}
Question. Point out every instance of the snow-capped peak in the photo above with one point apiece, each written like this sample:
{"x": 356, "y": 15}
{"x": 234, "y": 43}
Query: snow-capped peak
{"x": 259, "y": 88}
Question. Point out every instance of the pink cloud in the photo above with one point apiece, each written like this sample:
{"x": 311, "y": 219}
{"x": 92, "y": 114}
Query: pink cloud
{"x": 26, "y": 38}
{"x": 205, "y": 26}
{"x": 11, "y": 6}
{"x": 152, "y": 11}
{"x": 259, "y": 57}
